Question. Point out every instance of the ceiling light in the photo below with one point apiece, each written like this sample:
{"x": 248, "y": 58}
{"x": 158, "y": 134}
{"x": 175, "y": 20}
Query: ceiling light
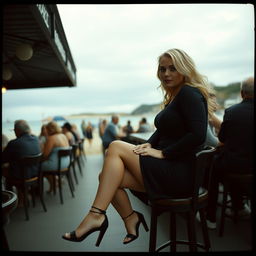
{"x": 3, "y": 90}
{"x": 24, "y": 51}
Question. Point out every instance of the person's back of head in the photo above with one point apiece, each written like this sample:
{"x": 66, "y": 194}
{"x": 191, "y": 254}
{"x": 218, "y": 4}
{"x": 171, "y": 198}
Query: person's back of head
{"x": 53, "y": 128}
{"x": 115, "y": 119}
{"x": 21, "y": 127}
{"x": 247, "y": 88}
{"x": 68, "y": 126}
{"x": 143, "y": 120}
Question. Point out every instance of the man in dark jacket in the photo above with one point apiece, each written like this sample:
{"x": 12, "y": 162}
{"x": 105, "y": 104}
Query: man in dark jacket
{"x": 236, "y": 154}
{"x": 25, "y": 144}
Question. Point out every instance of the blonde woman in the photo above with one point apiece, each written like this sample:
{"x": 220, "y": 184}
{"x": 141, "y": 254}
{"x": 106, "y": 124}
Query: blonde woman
{"x": 56, "y": 140}
{"x": 161, "y": 167}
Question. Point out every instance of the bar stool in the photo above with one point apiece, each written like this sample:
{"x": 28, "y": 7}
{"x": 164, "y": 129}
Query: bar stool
{"x": 243, "y": 183}
{"x": 188, "y": 206}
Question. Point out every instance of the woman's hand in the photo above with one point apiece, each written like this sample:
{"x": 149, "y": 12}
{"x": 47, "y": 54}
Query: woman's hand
{"x": 146, "y": 150}
{"x": 142, "y": 146}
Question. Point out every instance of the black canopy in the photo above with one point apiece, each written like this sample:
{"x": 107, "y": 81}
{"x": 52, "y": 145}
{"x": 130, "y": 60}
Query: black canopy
{"x": 40, "y": 26}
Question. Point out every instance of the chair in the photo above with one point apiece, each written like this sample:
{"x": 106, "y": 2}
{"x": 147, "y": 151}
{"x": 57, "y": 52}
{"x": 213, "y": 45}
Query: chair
{"x": 24, "y": 184}
{"x": 77, "y": 156}
{"x": 242, "y": 182}
{"x": 73, "y": 161}
{"x": 81, "y": 149}
{"x": 188, "y": 206}
{"x": 62, "y": 171}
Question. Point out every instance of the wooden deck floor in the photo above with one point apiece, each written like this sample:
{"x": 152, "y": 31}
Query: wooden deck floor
{"x": 43, "y": 231}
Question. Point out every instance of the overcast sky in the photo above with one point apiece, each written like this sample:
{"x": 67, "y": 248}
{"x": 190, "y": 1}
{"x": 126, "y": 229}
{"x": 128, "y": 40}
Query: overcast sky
{"x": 116, "y": 47}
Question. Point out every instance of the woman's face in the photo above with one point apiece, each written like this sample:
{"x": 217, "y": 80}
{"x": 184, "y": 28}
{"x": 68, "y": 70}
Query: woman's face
{"x": 168, "y": 74}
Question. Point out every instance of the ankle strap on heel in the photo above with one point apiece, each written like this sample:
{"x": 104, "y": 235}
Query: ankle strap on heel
{"x": 128, "y": 215}
{"x": 100, "y": 211}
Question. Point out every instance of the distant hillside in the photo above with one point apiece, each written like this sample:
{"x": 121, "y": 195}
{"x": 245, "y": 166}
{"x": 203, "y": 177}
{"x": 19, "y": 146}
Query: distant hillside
{"x": 145, "y": 108}
{"x": 226, "y": 92}
{"x": 222, "y": 92}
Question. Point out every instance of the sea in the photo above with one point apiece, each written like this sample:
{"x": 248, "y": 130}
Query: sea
{"x": 35, "y": 125}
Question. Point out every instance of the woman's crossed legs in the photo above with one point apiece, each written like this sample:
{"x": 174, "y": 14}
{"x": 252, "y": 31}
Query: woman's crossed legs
{"x": 121, "y": 169}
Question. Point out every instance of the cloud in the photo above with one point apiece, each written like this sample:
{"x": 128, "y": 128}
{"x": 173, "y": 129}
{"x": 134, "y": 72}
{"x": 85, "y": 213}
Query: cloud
{"x": 116, "y": 47}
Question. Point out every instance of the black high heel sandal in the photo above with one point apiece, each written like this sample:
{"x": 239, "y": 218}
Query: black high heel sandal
{"x": 103, "y": 227}
{"x": 141, "y": 220}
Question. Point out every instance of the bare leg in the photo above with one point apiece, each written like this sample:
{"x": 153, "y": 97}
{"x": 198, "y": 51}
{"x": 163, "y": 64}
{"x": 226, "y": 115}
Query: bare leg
{"x": 51, "y": 180}
{"x": 123, "y": 206}
{"x": 119, "y": 158}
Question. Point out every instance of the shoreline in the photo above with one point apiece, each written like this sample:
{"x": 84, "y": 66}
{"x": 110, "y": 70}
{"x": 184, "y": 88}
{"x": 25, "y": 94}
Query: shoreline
{"x": 88, "y": 115}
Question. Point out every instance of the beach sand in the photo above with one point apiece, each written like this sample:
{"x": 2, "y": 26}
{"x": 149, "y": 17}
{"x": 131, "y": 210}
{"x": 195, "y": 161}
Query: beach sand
{"x": 96, "y": 146}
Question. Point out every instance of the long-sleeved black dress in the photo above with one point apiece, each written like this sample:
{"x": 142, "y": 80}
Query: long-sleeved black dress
{"x": 181, "y": 131}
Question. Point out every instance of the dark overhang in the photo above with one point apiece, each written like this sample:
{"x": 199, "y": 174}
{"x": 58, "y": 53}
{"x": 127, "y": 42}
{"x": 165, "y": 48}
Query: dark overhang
{"x": 40, "y": 26}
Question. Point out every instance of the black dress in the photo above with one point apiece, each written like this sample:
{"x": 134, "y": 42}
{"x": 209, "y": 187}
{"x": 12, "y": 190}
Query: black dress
{"x": 181, "y": 132}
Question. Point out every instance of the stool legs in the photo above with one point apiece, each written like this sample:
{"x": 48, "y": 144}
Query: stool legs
{"x": 74, "y": 172}
{"x": 173, "y": 232}
{"x": 153, "y": 230}
{"x": 191, "y": 231}
{"x": 5, "y": 245}
{"x": 205, "y": 230}
{"x": 26, "y": 202}
{"x": 41, "y": 190}
{"x": 80, "y": 167}
{"x": 71, "y": 184}
{"x": 60, "y": 190}
{"x": 223, "y": 209}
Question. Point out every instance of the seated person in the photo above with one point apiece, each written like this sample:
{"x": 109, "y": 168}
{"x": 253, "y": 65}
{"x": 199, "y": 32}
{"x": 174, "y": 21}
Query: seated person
{"x": 71, "y": 136}
{"x": 236, "y": 153}
{"x": 127, "y": 130}
{"x": 144, "y": 126}
{"x": 111, "y": 132}
{"x": 55, "y": 141}
{"x": 25, "y": 144}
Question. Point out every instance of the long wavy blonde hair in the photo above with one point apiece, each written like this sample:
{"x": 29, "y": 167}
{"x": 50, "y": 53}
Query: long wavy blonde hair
{"x": 185, "y": 65}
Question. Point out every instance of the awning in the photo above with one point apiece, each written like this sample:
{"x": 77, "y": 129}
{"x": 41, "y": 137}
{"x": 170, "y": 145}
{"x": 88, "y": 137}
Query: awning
{"x": 51, "y": 64}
